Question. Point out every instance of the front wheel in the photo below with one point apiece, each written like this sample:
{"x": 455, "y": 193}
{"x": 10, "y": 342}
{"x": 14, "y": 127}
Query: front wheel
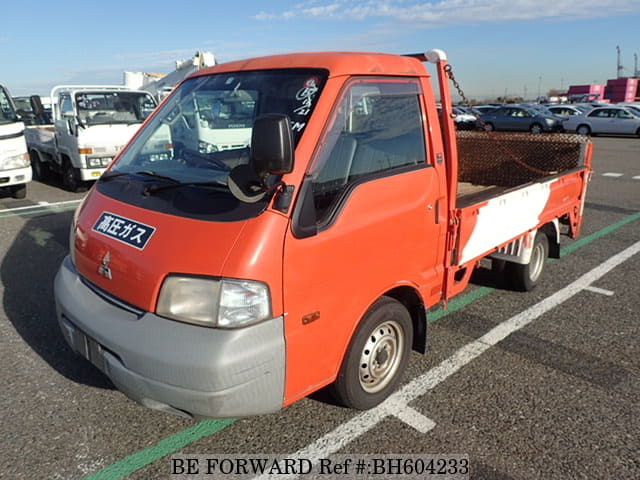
{"x": 526, "y": 277}
{"x": 583, "y": 130}
{"x": 535, "y": 128}
{"x": 377, "y": 356}
{"x": 489, "y": 127}
{"x": 70, "y": 177}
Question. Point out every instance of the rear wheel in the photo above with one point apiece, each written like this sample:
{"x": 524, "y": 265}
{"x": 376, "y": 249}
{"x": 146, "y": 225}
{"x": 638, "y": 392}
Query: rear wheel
{"x": 638, "y": 132}
{"x": 583, "y": 130}
{"x": 526, "y": 277}
{"x": 377, "y": 356}
{"x": 535, "y": 128}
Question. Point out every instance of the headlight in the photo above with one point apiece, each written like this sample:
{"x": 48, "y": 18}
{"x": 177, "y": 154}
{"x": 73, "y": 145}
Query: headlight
{"x": 224, "y": 303}
{"x": 98, "y": 162}
{"x": 550, "y": 121}
{"x": 206, "y": 147}
{"x": 15, "y": 161}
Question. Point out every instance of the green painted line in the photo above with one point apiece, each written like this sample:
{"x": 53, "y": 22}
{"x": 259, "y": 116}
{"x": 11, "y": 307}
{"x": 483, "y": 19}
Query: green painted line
{"x": 599, "y": 234}
{"x": 141, "y": 459}
{"x": 169, "y": 445}
{"x": 459, "y": 303}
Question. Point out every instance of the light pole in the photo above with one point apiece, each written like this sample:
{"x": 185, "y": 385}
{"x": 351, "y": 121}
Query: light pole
{"x": 539, "y": 86}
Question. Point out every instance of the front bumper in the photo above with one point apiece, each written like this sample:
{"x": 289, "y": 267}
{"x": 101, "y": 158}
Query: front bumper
{"x": 88, "y": 174}
{"x": 16, "y": 176}
{"x": 171, "y": 366}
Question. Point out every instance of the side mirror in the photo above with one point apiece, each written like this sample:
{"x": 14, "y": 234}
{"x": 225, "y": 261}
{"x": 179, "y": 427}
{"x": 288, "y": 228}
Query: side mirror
{"x": 272, "y": 145}
{"x": 271, "y": 154}
{"x": 36, "y": 105}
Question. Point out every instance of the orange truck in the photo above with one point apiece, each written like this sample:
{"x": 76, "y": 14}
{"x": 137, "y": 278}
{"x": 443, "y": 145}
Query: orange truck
{"x": 283, "y": 224}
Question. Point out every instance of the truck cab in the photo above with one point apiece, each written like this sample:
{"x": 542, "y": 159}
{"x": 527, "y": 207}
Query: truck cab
{"x": 91, "y": 124}
{"x": 15, "y": 168}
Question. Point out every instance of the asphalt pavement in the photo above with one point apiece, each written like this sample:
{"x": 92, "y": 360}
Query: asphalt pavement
{"x": 538, "y": 385}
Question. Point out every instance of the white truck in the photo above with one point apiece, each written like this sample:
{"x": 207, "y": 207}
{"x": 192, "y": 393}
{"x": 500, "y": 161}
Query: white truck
{"x": 15, "y": 169}
{"x": 90, "y": 126}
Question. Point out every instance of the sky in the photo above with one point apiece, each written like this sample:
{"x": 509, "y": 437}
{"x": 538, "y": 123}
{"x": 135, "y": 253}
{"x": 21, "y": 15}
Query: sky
{"x": 496, "y": 47}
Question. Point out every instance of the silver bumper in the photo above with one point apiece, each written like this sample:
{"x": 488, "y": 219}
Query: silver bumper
{"x": 172, "y": 366}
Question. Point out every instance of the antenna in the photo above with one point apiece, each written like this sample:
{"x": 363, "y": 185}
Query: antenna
{"x": 636, "y": 72}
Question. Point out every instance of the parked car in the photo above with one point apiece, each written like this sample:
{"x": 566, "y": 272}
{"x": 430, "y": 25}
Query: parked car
{"x": 480, "y": 109}
{"x": 465, "y": 118}
{"x": 521, "y": 118}
{"x": 612, "y": 119}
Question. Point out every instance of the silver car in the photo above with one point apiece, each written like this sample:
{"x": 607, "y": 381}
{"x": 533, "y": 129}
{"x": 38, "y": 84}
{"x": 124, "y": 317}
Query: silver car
{"x": 523, "y": 118}
{"x": 611, "y": 119}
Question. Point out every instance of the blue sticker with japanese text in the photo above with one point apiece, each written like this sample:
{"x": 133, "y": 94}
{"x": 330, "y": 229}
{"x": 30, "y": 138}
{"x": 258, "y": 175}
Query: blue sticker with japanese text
{"x": 124, "y": 230}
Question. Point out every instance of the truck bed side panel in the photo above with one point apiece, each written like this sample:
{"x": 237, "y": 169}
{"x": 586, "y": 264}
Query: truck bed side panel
{"x": 487, "y": 225}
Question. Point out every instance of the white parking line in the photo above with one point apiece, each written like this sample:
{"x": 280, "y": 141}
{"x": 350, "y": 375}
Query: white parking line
{"x": 39, "y": 205}
{"x": 411, "y": 417}
{"x": 636, "y": 177}
{"x": 345, "y": 433}
{"x": 601, "y": 291}
{"x": 612, "y": 174}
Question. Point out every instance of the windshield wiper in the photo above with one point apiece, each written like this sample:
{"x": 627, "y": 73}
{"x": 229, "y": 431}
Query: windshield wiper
{"x": 149, "y": 173}
{"x": 152, "y": 189}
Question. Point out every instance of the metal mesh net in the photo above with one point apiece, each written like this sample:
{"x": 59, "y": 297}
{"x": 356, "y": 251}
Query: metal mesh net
{"x": 509, "y": 159}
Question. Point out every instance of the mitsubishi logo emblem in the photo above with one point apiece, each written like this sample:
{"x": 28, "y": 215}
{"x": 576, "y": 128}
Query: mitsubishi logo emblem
{"x": 104, "y": 269}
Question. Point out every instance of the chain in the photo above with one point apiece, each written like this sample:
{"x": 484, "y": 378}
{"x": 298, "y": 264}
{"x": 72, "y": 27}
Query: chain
{"x": 449, "y": 71}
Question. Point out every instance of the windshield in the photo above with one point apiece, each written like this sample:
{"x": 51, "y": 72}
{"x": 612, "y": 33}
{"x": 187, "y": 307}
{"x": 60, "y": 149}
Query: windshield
{"x": 204, "y": 130}
{"x": 96, "y": 108}
{"x": 7, "y": 112}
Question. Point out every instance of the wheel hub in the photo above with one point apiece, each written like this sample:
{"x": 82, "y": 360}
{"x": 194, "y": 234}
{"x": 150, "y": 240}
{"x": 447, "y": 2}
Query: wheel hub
{"x": 380, "y": 357}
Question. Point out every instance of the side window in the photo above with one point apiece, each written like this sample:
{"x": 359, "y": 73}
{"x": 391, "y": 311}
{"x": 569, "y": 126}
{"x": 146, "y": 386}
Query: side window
{"x": 65, "y": 104}
{"x": 377, "y": 128}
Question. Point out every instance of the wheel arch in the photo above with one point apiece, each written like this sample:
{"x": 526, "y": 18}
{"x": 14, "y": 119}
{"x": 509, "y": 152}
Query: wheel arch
{"x": 412, "y": 301}
{"x": 552, "y": 231}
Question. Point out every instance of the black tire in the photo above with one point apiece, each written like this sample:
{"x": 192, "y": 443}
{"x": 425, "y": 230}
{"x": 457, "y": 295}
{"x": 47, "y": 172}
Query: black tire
{"x": 526, "y": 277}
{"x": 583, "y": 129}
{"x": 19, "y": 191}
{"x": 536, "y": 128}
{"x": 638, "y": 132}
{"x": 377, "y": 356}
{"x": 488, "y": 126}
{"x": 70, "y": 177}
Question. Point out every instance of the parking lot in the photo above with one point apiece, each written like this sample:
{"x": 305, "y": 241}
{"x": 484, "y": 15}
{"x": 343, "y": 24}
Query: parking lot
{"x": 539, "y": 385}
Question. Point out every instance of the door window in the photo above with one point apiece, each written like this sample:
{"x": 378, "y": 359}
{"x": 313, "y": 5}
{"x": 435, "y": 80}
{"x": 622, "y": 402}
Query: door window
{"x": 376, "y": 131}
